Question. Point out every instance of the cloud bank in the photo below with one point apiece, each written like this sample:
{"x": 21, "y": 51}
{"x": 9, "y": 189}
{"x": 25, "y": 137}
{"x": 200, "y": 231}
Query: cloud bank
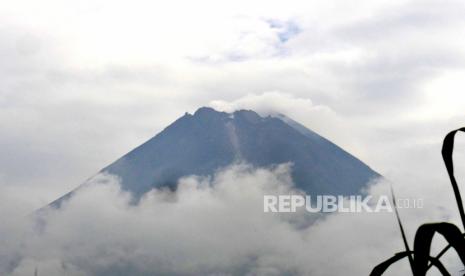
{"x": 210, "y": 226}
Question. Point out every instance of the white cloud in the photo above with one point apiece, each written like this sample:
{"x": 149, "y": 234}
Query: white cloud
{"x": 209, "y": 227}
{"x": 300, "y": 109}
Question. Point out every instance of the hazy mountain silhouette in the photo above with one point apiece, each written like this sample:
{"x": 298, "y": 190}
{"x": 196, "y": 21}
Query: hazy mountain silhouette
{"x": 208, "y": 140}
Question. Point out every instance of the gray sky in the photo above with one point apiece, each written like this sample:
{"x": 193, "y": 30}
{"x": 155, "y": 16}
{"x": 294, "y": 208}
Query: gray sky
{"x": 83, "y": 82}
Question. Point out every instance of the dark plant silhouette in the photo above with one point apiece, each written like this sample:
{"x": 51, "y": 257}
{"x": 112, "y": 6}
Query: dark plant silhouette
{"x": 420, "y": 259}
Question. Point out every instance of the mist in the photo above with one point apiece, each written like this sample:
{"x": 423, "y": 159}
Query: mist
{"x": 208, "y": 226}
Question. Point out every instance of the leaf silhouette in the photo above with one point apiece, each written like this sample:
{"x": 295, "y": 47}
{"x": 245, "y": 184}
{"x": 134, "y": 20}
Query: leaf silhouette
{"x": 419, "y": 259}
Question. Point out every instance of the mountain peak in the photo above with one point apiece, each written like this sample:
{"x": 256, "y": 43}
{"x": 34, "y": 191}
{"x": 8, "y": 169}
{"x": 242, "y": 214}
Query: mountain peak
{"x": 205, "y": 110}
{"x": 248, "y": 115}
{"x": 209, "y": 112}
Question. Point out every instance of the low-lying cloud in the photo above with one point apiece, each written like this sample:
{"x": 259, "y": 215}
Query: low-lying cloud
{"x": 209, "y": 226}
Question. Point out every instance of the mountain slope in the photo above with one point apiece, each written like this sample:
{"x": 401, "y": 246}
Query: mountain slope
{"x": 208, "y": 140}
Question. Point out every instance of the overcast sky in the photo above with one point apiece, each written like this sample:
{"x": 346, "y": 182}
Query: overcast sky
{"x": 83, "y": 82}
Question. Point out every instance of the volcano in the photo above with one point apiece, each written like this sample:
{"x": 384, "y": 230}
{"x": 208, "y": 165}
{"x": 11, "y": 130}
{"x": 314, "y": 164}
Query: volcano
{"x": 208, "y": 140}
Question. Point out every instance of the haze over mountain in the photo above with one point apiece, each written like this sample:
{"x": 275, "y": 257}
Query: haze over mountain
{"x": 209, "y": 140}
